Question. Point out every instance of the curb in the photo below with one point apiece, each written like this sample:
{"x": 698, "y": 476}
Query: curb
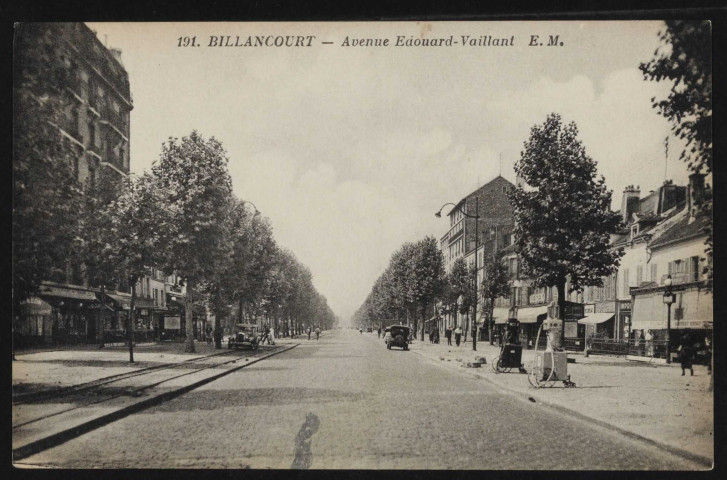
{"x": 705, "y": 461}
{"x": 66, "y": 435}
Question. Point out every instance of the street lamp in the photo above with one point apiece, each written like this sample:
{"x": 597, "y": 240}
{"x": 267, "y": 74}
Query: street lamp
{"x": 476, "y": 216}
{"x": 669, "y": 298}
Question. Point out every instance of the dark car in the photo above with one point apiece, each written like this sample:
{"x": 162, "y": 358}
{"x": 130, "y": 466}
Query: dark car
{"x": 246, "y": 335}
{"x": 369, "y": 329}
{"x": 397, "y": 336}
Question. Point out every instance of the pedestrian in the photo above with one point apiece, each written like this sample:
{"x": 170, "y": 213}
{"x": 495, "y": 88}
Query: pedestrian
{"x": 448, "y": 335}
{"x": 642, "y": 344}
{"x": 379, "y": 332}
{"x": 436, "y": 335}
{"x": 457, "y": 335}
{"x": 318, "y": 333}
{"x": 208, "y": 334}
{"x": 431, "y": 336}
{"x": 649, "y": 339}
{"x": 686, "y": 355}
{"x": 266, "y": 331}
{"x": 309, "y": 332}
{"x": 708, "y": 348}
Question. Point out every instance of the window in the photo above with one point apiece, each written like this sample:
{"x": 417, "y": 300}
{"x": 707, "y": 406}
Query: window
{"x": 625, "y": 282}
{"x": 639, "y": 275}
{"x": 654, "y": 272}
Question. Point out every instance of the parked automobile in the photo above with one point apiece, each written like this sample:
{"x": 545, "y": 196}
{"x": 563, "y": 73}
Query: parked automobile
{"x": 369, "y": 329}
{"x": 398, "y": 336}
{"x": 246, "y": 335}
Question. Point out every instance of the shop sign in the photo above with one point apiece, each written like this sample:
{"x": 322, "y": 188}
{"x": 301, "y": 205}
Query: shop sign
{"x": 536, "y": 298}
{"x": 172, "y": 323}
{"x": 624, "y": 306}
{"x": 589, "y": 309}
{"x": 571, "y": 329}
{"x": 573, "y": 311}
{"x": 605, "y": 307}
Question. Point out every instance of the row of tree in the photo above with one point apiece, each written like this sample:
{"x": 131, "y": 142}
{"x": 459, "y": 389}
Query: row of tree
{"x": 181, "y": 217}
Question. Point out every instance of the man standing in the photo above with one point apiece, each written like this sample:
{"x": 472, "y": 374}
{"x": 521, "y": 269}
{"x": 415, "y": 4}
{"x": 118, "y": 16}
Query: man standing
{"x": 457, "y": 335}
{"x": 448, "y": 334}
{"x": 379, "y": 332}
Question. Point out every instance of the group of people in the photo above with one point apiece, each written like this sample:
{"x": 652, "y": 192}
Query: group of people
{"x": 317, "y": 332}
{"x": 268, "y": 336}
{"x": 457, "y": 335}
{"x": 434, "y": 335}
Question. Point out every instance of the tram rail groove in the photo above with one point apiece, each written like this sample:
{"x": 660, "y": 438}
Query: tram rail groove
{"x": 31, "y": 397}
{"x": 56, "y": 439}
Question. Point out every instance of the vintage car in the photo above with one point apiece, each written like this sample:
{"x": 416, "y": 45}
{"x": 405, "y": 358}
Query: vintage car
{"x": 397, "y": 336}
{"x": 246, "y": 335}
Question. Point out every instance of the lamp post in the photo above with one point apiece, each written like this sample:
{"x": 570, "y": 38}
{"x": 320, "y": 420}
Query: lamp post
{"x": 669, "y": 298}
{"x": 476, "y": 216}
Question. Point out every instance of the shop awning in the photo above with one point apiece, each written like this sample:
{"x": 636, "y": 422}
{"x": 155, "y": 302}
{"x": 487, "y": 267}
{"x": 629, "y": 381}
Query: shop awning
{"x": 500, "y": 315}
{"x": 66, "y": 292}
{"x": 595, "y": 318}
{"x": 122, "y": 302}
{"x": 531, "y": 314}
{"x": 693, "y": 309}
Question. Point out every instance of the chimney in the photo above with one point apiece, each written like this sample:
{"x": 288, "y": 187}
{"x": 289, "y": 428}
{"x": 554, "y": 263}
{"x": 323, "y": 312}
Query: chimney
{"x": 630, "y": 202}
{"x": 695, "y": 193}
{"x": 117, "y": 55}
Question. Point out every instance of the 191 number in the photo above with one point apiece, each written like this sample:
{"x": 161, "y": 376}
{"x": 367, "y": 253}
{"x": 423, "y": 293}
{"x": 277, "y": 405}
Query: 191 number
{"x": 187, "y": 42}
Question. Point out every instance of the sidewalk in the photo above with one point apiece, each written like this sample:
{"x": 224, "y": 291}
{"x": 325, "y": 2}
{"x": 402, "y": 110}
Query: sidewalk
{"x": 42, "y": 421}
{"x": 653, "y": 402}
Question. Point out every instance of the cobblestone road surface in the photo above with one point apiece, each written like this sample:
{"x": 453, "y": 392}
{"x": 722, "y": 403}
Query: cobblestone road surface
{"x": 346, "y": 402}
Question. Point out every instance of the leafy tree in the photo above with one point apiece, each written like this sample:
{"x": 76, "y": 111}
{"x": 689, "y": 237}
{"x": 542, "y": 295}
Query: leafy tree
{"x": 685, "y": 59}
{"x": 194, "y": 172}
{"x": 47, "y": 197}
{"x": 495, "y": 284}
{"x": 461, "y": 288}
{"x": 563, "y": 221}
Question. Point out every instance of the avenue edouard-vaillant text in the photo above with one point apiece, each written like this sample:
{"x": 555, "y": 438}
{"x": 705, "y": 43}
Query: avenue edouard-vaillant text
{"x": 397, "y": 41}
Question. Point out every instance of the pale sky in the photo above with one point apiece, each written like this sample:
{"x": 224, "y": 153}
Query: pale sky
{"x": 350, "y": 150}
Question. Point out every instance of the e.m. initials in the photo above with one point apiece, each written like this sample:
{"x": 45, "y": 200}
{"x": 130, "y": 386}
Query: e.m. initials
{"x": 553, "y": 41}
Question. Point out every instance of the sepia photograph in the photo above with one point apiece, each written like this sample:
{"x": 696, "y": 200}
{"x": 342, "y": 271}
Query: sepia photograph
{"x": 379, "y": 245}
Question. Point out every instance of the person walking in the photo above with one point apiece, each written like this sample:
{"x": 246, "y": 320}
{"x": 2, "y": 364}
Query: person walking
{"x": 309, "y": 332}
{"x": 457, "y": 335}
{"x": 436, "y": 335}
{"x": 448, "y": 335}
{"x": 318, "y": 333}
{"x": 379, "y": 332}
{"x": 686, "y": 355}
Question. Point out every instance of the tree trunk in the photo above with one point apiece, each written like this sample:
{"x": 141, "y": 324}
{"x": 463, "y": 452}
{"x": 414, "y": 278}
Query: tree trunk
{"x": 189, "y": 327}
{"x": 424, "y": 314}
{"x": 130, "y": 324}
{"x": 491, "y": 325}
{"x": 561, "y": 310}
{"x": 467, "y": 325}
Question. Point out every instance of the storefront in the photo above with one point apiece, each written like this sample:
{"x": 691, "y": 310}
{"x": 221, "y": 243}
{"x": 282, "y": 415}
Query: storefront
{"x": 530, "y": 319}
{"x": 691, "y": 318}
{"x": 500, "y": 316}
{"x": 598, "y": 320}
{"x": 71, "y": 319}
{"x": 575, "y": 333}
{"x": 33, "y": 323}
{"x": 171, "y": 322}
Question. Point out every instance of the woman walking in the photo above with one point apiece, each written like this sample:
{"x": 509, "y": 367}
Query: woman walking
{"x": 457, "y": 335}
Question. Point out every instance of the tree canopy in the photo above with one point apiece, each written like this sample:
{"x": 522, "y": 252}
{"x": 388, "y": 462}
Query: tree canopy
{"x": 563, "y": 219}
